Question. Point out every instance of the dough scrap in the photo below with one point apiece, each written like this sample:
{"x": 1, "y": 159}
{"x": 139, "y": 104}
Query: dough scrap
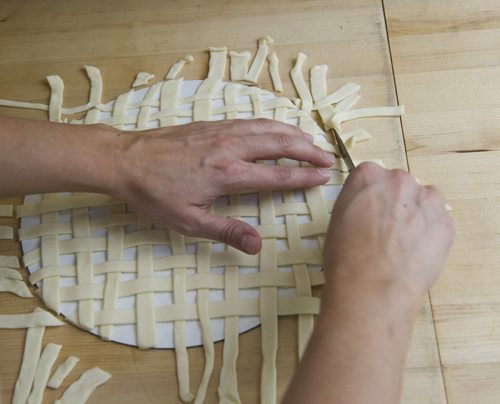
{"x": 300, "y": 84}
{"x": 80, "y": 391}
{"x": 142, "y": 78}
{"x": 42, "y": 373}
{"x": 62, "y": 371}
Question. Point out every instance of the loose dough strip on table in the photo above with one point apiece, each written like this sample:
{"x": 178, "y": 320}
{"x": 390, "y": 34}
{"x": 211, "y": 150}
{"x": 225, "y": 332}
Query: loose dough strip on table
{"x": 177, "y": 67}
{"x": 32, "y": 348}
{"x": 80, "y": 391}
{"x": 6, "y": 210}
{"x": 300, "y": 84}
{"x": 17, "y": 287}
{"x": 6, "y": 233}
{"x": 239, "y": 65}
{"x": 62, "y": 371}
{"x": 274, "y": 71}
{"x": 39, "y": 318}
{"x": 343, "y": 92}
{"x": 45, "y": 363}
{"x": 10, "y": 261}
{"x": 340, "y": 117}
{"x": 260, "y": 58}
{"x": 142, "y": 78}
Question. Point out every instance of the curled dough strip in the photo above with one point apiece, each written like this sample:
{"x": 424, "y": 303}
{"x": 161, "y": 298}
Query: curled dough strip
{"x": 177, "y": 67}
{"x": 142, "y": 78}
{"x": 300, "y": 84}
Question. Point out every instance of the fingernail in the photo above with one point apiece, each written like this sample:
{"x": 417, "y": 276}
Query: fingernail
{"x": 329, "y": 157}
{"x": 250, "y": 244}
{"x": 324, "y": 172}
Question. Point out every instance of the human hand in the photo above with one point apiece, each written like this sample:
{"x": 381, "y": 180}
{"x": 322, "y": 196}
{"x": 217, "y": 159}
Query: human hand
{"x": 387, "y": 233}
{"x": 173, "y": 174}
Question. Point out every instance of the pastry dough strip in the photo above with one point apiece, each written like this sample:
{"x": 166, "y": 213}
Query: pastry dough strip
{"x": 177, "y": 67}
{"x": 16, "y": 287}
{"x": 39, "y": 318}
{"x": 203, "y": 266}
{"x": 274, "y": 71}
{"x": 56, "y": 97}
{"x": 6, "y": 210}
{"x": 300, "y": 84}
{"x": 6, "y": 233}
{"x": 340, "y": 117}
{"x": 142, "y": 78}
{"x": 31, "y": 354}
{"x": 260, "y": 58}
{"x": 9, "y": 261}
{"x": 62, "y": 371}
{"x": 42, "y": 373}
{"x": 239, "y": 65}
{"x": 80, "y": 391}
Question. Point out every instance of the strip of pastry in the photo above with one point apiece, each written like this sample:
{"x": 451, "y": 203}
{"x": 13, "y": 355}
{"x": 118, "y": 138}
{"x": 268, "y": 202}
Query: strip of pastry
{"x": 347, "y": 103}
{"x": 239, "y": 65}
{"x": 23, "y": 105}
{"x": 274, "y": 71}
{"x": 179, "y": 297}
{"x": 44, "y": 366}
{"x": 268, "y": 309}
{"x": 56, "y": 97}
{"x": 203, "y": 253}
{"x": 6, "y": 233}
{"x": 31, "y": 354}
{"x": 343, "y": 92}
{"x": 39, "y": 318}
{"x": 80, "y": 391}
{"x": 17, "y": 287}
{"x": 51, "y": 291}
{"x": 10, "y": 273}
{"x": 144, "y": 117}
{"x": 355, "y": 136}
{"x": 168, "y": 102}
{"x": 116, "y": 238}
{"x": 146, "y": 324}
{"x": 9, "y": 261}
{"x": 319, "y": 91}
{"x": 177, "y": 67}
{"x": 84, "y": 266}
{"x": 6, "y": 210}
{"x": 340, "y": 117}
{"x": 300, "y": 84}
{"x": 142, "y": 78}
{"x": 62, "y": 371}
{"x": 260, "y": 58}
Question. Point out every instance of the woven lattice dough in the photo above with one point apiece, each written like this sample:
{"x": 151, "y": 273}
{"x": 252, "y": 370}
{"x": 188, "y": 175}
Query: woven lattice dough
{"x": 123, "y": 270}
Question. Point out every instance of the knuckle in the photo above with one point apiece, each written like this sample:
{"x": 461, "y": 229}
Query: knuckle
{"x": 229, "y": 233}
{"x": 284, "y": 141}
{"x": 282, "y": 173}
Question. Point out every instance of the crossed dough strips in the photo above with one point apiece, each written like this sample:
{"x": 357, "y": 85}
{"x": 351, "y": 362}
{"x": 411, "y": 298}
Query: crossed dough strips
{"x": 292, "y": 227}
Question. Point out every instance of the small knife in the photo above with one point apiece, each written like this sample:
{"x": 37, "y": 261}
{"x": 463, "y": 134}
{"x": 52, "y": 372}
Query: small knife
{"x": 343, "y": 151}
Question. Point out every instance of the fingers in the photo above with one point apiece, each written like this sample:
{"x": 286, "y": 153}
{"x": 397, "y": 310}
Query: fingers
{"x": 280, "y": 145}
{"x": 262, "y": 177}
{"x": 262, "y": 126}
{"x": 234, "y": 232}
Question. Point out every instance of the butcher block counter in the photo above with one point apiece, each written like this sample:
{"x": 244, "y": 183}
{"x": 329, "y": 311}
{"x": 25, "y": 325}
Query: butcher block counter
{"x": 439, "y": 59}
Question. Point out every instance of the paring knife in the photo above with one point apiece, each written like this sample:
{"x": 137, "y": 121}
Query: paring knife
{"x": 343, "y": 151}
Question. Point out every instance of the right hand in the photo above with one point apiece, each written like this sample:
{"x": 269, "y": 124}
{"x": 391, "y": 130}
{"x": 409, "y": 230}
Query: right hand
{"x": 387, "y": 233}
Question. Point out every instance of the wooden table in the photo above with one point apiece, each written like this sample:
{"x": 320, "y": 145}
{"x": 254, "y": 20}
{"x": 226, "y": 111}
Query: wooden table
{"x": 442, "y": 60}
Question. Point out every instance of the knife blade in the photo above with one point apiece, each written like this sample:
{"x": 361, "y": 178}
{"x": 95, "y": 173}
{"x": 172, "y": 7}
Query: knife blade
{"x": 343, "y": 151}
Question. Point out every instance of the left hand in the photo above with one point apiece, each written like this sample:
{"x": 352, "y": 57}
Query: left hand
{"x": 173, "y": 174}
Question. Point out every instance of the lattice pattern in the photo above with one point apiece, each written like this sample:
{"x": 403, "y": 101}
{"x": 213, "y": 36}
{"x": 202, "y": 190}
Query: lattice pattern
{"x": 99, "y": 232}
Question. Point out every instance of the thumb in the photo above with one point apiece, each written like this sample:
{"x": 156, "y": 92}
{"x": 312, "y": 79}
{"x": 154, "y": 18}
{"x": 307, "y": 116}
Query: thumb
{"x": 234, "y": 232}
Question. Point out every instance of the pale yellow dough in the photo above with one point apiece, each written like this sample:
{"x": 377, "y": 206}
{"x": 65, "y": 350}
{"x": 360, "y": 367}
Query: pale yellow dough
{"x": 62, "y": 371}
{"x": 80, "y": 391}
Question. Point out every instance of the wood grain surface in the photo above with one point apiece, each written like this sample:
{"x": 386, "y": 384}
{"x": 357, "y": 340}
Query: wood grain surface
{"x": 446, "y": 58}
